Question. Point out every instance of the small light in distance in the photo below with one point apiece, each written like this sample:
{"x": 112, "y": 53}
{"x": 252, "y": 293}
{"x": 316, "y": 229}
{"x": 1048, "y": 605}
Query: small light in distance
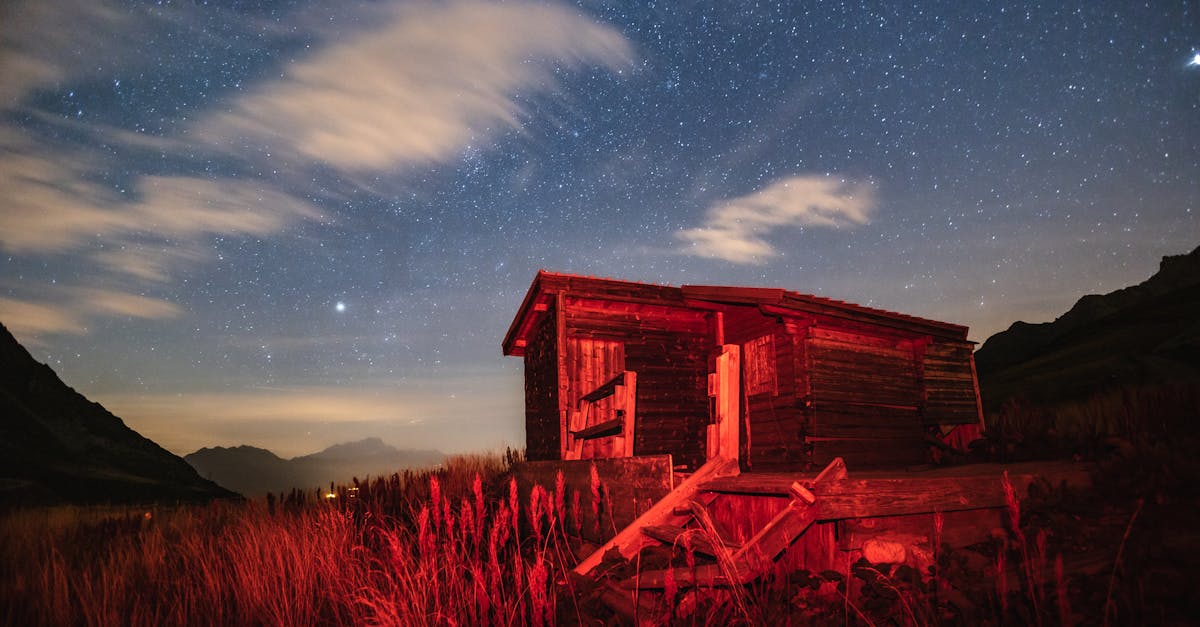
{"x": 340, "y": 307}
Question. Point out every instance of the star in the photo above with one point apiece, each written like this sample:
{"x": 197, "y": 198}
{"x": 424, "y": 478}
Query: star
{"x": 1195, "y": 61}
{"x": 340, "y": 307}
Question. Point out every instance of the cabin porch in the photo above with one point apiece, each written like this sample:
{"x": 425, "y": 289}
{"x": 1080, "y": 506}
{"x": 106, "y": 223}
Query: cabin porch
{"x": 779, "y": 521}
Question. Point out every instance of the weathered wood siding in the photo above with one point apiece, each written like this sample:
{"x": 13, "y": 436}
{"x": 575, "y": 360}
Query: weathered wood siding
{"x": 772, "y": 433}
{"x": 865, "y": 398}
{"x": 542, "y": 435}
{"x": 667, "y": 347}
{"x": 950, "y": 392}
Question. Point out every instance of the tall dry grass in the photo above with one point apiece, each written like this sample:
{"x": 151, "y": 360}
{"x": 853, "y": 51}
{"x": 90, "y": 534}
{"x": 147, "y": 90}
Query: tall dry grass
{"x": 449, "y": 546}
{"x": 1141, "y": 415}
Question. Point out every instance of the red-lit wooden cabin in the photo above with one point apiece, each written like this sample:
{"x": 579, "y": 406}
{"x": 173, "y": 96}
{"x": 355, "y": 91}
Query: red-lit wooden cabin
{"x": 727, "y": 399}
{"x": 774, "y": 378}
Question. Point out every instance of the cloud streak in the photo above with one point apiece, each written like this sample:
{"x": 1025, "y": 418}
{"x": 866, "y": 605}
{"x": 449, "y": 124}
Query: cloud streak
{"x": 311, "y": 418}
{"x": 44, "y": 43}
{"x": 435, "y": 79}
{"x": 65, "y": 310}
{"x": 737, "y": 230}
{"x": 52, "y": 206}
{"x": 29, "y": 320}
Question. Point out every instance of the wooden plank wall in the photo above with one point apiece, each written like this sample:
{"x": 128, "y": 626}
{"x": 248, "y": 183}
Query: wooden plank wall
{"x": 628, "y": 487}
{"x": 542, "y": 434}
{"x": 668, "y": 348}
{"x": 775, "y": 434}
{"x": 865, "y": 398}
{"x": 949, "y": 384}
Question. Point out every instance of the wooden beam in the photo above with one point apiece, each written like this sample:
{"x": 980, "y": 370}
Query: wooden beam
{"x": 703, "y": 575}
{"x": 758, "y": 554}
{"x": 565, "y": 446}
{"x": 631, "y": 539}
{"x": 760, "y": 551}
{"x": 978, "y": 398}
{"x": 699, "y": 541}
{"x": 600, "y": 430}
{"x": 608, "y": 388}
{"x": 629, "y": 405}
{"x": 723, "y": 439}
{"x": 898, "y": 493}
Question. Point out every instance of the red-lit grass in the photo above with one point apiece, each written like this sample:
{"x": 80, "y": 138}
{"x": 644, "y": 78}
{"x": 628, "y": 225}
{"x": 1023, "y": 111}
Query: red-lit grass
{"x": 458, "y": 545}
{"x": 388, "y": 552}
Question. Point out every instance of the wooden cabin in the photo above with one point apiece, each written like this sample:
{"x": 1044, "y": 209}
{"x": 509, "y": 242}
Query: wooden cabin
{"x": 773, "y": 378}
{"x": 700, "y": 415}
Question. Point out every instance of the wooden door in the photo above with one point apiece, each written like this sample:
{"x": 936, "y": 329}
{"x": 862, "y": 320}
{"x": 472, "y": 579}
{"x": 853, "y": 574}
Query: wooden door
{"x": 590, "y": 363}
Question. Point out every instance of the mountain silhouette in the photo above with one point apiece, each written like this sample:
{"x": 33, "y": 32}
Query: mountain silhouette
{"x": 1146, "y": 334}
{"x": 57, "y": 446}
{"x": 255, "y": 471}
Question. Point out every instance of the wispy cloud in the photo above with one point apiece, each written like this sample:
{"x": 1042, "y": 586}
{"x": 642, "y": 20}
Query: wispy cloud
{"x": 419, "y": 89}
{"x": 65, "y": 310}
{"x": 28, "y": 321}
{"x": 117, "y": 303}
{"x": 302, "y": 419}
{"x": 52, "y": 207}
{"x": 44, "y": 43}
{"x": 737, "y": 230}
{"x": 427, "y": 81}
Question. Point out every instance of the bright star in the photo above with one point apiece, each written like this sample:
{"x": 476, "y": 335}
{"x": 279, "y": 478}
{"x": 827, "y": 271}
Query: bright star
{"x": 340, "y": 306}
{"x": 1195, "y": 59}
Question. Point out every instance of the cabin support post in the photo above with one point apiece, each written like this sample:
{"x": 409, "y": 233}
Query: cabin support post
{"x": 627, "y": 402}
{"x": 565, "y": 447}
{"x": 726, "y": 388}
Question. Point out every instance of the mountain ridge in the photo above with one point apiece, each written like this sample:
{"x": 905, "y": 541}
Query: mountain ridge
{"x": 255, "y": 471}
{"x": 58, "y": 446}
{"x": 1144, "y": 334}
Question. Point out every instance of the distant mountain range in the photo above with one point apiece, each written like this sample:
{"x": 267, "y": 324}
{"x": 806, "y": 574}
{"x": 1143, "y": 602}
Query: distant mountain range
{"x": 1146, "y": 334}
{"x": 57, "y": 446}
{"x": 255, "y": 471}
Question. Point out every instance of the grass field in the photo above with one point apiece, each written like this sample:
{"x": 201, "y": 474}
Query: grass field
{"x": 457, "y": 546}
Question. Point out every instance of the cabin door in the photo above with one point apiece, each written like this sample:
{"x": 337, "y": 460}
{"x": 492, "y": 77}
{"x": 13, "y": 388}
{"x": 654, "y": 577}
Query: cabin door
{"x": 600, "y": 400}
{"x": 724, "y": 387}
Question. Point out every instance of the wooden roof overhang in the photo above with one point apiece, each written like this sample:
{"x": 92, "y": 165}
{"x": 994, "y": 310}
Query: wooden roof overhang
{"x": 780, "y": 302}
{"x": 548, "y": 285}
{"x": 772, "y": 301}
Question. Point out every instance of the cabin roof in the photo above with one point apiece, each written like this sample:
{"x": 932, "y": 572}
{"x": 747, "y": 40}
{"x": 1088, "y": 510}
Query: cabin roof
{"x": 547, "y": 285}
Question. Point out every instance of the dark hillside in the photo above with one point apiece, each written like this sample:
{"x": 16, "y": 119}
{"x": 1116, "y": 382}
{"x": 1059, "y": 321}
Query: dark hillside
{"x": 1147, "y": 334}
{"x": 57, "y": 446}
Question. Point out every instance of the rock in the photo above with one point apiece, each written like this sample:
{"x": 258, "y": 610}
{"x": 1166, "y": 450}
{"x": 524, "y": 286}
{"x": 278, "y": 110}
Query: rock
{"x": 883, "y": 552}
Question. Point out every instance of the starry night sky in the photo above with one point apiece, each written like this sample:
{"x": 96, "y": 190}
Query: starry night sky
{"x": 302, "y": 223}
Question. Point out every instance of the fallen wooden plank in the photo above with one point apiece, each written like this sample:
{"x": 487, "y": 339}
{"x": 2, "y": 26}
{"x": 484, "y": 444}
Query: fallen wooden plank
{"x": 704, "y": 575}
{"x": 631, "y": 539}
{"x": 758, "y": 554}
{"x": 698, "y": 540}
